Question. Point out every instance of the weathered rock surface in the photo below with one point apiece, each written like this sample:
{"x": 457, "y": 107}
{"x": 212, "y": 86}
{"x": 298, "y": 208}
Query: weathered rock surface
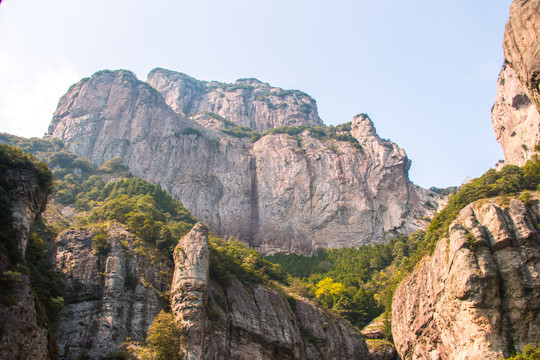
{"x": 22, "y": 334}
{"x": 109, "y": 297}
{"x": 515, "y": 118}
{"x": 478, "y": 295}
{"x": 515, "y": 115}
{"x": 252, "y": 322}
{"x": 280, "y": 194}
{"x": 247, "y": 102}
{"x": 189, "y": 290}
{"x": 522, "y": 45}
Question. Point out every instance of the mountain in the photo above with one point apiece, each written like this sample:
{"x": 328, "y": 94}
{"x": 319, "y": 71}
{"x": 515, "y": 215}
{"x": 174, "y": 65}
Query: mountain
{"x": 289, "y": 189}
{"x": 110, "y": 240}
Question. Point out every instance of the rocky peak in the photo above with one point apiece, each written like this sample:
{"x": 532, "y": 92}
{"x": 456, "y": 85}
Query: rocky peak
{"x": 248, "y": 102}
{"x": 363, "y": 127}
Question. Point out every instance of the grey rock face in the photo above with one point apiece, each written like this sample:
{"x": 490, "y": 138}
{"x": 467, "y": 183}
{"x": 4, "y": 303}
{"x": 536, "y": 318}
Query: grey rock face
{"x": 477, "y": 296}
{"x": 248, "y": 102}
{"x": 280, "y": 194}
{"x": 515, "y": 118}
{"x": 22, "y": 334}
{"x": 250, "y": 323}
{"x": 109, "y": 297}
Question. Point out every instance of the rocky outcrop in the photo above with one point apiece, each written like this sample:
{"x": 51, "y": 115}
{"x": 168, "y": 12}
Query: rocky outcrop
{"x": 189, "y": 288}
{"x": 515, "y": 115}
{"x": 112, "y": 294}
{"x": 247, "y": 102}
{"x": 251, "y": 322}
{"x": 515, "y": 118}
{"x": 478, "y": 295}
{"x": 279, "y": 194}
{"x": 23, "y": 334}
{"x": 522, "y": 45}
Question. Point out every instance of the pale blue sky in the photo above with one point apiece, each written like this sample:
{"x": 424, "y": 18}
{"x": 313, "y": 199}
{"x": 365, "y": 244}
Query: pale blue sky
{"x": 425, "y": 71}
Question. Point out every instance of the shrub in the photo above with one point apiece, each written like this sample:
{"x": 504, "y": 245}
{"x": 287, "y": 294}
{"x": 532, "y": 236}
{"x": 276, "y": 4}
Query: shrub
{"x": 164, "y": 338}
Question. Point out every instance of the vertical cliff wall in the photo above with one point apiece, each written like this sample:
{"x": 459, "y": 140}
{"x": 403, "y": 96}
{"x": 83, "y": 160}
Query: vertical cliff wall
{"x": 280, "y": 194}
{"x": 477, "y": 296}
{"x": 23, "y": 330}
{"x": 112, "y": 294}
{"x": 515, "y": 115}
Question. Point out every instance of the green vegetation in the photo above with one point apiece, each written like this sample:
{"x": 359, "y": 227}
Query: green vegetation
{"x": 339, "y": 133}
{"x": 348, "y": 280}
{"x": 359, "y": 283}
{"x": 530, "y": 352}
{"x": 163, "y": 339}
{"x": 12, "y": 158}
{"x": 190, "y": 131}
{"x": 229, "y": 259}
{"x": 243, "y": 132}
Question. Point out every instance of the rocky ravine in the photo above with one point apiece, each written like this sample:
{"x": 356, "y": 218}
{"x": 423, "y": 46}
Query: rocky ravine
{"x": 23, "y": 334}
{"x": 250, "y": 323}
{"x": 478, "y": 295}
{"x": 515, "y": 115}
{"x": 279, "y": 194}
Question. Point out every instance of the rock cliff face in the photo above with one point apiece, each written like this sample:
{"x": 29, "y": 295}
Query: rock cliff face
{"x": 522, "y": 45}
{"x": 251, "y": 322}
{"x": 477, "y": 296}
{"x": 515, "y": 118}
{"x": 248, "y": 102}
{"x": 23, "y": 334}
{"x": 281, "y": 193}
{"x": 110, "y": 296}
{"x": 515, "y": 115}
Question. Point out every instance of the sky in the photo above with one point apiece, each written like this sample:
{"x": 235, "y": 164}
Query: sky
{"x": 424, "y": 71}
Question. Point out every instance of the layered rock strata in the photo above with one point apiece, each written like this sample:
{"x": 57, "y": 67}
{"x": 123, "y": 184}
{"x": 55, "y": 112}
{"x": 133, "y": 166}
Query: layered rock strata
{"x": 23, "y": 334}
{"x": 110, "y": 296}
{"x": 478, "y": 295}
{"x": 515, "y": 114}
{"x": 279, "y": 194}
{"x": 251, "y": 322}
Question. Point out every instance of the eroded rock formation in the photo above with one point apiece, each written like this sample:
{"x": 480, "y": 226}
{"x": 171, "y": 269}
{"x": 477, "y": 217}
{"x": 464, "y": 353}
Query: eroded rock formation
{"x": 515, "y": 118}
{"x": 251, "y": 322}
{"x": 111, "y": 295}
{"x": 279, "y": 194}
{"x": 478, "y": 295}
{"x": 515, "y": 115}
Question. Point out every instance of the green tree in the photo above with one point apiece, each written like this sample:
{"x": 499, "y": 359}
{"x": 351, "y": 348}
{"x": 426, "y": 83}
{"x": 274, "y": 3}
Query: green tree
{"x": 164, "y": 338}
